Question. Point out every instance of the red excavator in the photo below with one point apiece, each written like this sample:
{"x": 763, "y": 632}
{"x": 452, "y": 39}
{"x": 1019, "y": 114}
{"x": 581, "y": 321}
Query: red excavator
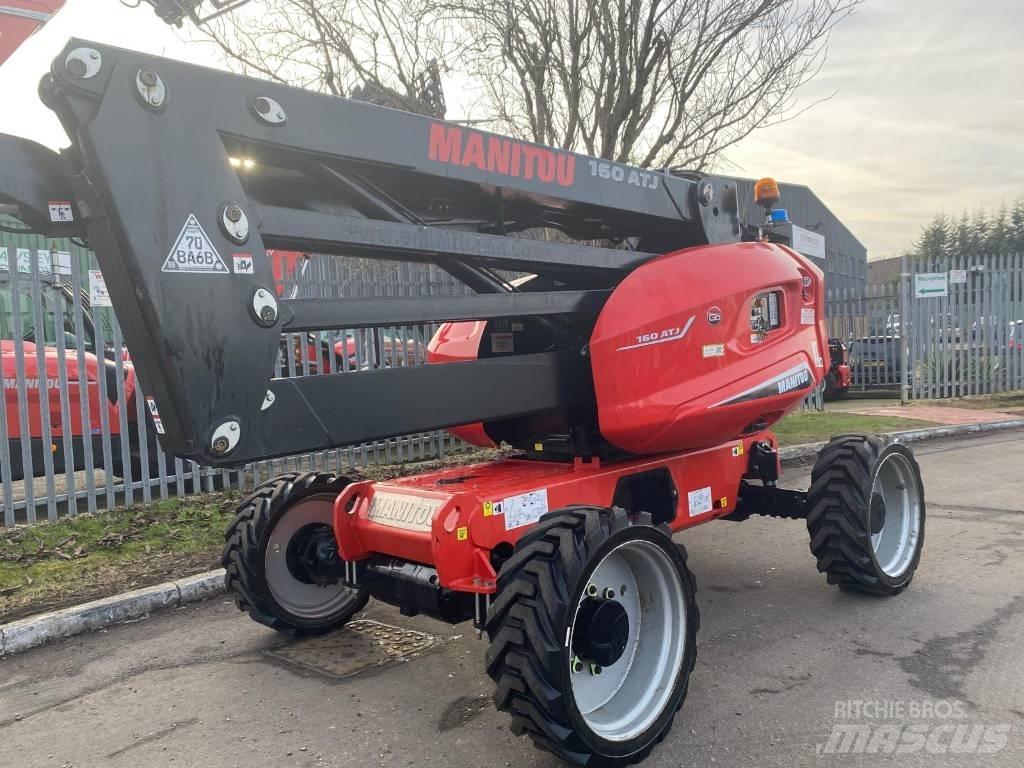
{"x": 635, "y": 377}
{"x": 20, "y": 19}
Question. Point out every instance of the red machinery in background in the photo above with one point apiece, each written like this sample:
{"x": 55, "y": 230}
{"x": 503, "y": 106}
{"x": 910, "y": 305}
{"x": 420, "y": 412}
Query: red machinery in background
{"x": 19, "y": 19}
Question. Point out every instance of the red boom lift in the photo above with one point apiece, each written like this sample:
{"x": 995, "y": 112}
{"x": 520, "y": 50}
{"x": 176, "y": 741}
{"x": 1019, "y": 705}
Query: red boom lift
{"x": 637, "y": 373}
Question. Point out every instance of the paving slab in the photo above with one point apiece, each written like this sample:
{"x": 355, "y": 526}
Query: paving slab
{"x": 940, "y": 414}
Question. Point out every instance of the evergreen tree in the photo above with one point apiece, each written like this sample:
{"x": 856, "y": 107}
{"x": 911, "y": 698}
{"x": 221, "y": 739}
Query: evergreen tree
{"x": 963, "y": 242}
{"x": 979, "y": 234}
{"x": 999, "y": 232}
{"x": 1015, "y": 242}
{"x": 935, "y": 238}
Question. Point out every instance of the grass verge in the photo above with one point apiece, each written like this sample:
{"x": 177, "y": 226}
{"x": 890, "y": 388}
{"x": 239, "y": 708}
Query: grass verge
{"x": 812, "y": 426}
{"x": 52, "y": 565}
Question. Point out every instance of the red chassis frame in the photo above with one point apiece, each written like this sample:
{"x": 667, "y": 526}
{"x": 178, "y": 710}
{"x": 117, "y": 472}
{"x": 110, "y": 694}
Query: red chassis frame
{"x": 448, "y": 518}
{"x": 678, "y": 372}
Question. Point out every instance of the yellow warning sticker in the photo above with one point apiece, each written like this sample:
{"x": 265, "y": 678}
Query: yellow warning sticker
{"x": 538, "y": 446}
{"x": 724, "y": 502}
{"x": 462, "y": 533}
{"x": 488, "y": 508}
{"x": 737, "y": 450}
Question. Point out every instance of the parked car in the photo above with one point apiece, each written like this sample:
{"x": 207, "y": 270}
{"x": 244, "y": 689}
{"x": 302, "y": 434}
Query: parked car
{"x": 1017, "y": 336}
{"x": 876, "y": 360}
{"x": 979, "y": 326}
{"x": 354, "y": 350}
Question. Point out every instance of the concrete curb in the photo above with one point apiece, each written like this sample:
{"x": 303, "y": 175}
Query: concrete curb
{"x": 807, "y": 450}
{"x": 28, "y": 633}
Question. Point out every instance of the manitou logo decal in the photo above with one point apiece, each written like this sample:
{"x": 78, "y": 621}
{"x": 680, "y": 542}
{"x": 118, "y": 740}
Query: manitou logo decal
{"x": 34, "y": 383}
{"x": 495, "y": 154}
{"x": 787, "y": 381}
{"x": 401, "y": 511}
{"x": 798, "y": 380}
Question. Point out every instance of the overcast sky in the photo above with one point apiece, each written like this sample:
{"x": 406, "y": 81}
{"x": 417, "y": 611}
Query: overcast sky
{"x": 928, "y": 111}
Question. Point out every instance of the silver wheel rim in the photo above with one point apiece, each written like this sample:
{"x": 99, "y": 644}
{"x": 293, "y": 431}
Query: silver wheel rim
{"x": 896, "y": 543}
{"x": 305, "y": 601}
{"x": 627, "y": 697}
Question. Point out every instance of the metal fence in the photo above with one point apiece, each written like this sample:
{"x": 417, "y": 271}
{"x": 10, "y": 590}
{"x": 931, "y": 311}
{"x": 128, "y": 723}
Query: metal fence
{"x": 73, "y": 430}
{"x": 947, "y": 327}
{"x": 74, "y": 434}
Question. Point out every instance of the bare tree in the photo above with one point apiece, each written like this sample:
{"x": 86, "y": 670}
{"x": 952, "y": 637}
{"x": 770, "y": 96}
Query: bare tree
{"x": 383, "y": 51}
{"x": 650, "y": 82}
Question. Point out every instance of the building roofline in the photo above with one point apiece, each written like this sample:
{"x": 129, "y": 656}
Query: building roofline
{"x": 823, "y": 205}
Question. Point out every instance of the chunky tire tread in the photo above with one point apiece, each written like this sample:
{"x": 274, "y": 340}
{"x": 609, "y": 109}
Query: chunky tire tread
{"x": 242, "y": 556}
{"x": 525, "y": 653}
{"x": 837, "y": 517}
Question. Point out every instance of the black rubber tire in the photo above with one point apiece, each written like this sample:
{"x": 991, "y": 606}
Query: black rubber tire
{"x": 838, "y": 517}
{"x": 538, "y": 589}
{"x": 245, "y": 547}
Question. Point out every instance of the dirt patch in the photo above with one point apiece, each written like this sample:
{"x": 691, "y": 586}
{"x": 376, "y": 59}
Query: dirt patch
{"x": 390, "y": 471}
{"x": 1005, "y": 402}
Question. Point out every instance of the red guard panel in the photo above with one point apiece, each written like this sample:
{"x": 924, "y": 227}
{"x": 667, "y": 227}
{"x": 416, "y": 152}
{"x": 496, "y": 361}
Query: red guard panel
{"x": 677, "y": 365}
{"x": 19, "y": 19}
{"x": 453, "y": 518}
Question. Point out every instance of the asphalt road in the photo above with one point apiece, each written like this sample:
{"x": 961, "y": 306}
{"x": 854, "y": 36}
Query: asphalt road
{"x": 783, "y": 661}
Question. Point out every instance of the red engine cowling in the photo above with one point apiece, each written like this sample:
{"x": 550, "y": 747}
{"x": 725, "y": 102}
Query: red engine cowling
{"x": 701, "y": 345}
{"x": 455, "y": 342}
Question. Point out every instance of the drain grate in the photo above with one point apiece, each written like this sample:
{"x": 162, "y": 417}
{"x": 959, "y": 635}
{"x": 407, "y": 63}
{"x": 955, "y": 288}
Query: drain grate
{"x": 358, "y": 646}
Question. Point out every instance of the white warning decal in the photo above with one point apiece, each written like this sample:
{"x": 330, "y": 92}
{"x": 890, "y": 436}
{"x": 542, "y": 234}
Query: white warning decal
{"x": 60, "y": 210}
{"x": 699, "y": 501}
{"x": 243, "y": 264}
{"x": 524, "y": 509}
{"x": 194, "y": 252}
{"x": 158, "y": 423}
